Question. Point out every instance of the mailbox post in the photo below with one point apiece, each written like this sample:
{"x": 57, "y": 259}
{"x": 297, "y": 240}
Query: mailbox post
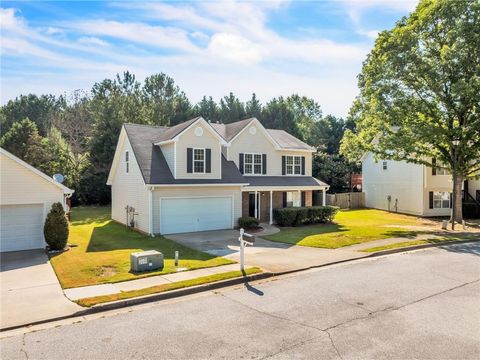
{"x": 243, "y": 243}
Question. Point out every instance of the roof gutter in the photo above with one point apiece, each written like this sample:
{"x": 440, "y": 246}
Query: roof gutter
{"x": 197, "y": 185}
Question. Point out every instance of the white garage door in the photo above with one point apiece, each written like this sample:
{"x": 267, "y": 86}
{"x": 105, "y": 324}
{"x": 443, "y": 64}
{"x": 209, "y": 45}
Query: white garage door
{"x": 21, "y": 227}
{"x": 197, "y": 214}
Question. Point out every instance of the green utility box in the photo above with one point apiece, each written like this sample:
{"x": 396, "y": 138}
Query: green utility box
{"x": 146, "y": 261}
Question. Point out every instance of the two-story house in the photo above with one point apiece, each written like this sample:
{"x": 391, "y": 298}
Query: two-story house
{"x": 198, "y": 175}
{"x": 410, "y": 188}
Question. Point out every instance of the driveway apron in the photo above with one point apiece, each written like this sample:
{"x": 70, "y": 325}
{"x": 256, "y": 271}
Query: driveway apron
{"x": 30, "y": 290}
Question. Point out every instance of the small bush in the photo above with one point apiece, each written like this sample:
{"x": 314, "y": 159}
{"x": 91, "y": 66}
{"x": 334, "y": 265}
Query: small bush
{"x": 248, "y": 222}
{"x": 304, "y": 215}
{"x": 56, "y": 228}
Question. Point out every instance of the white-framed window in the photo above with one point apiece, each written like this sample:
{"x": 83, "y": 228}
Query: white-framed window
{"x": 385, "y": 165}
{"x": 199, "y": 160}
{"x": 127, "y": 162}
{"x": 441, "y": 200}
{"x": 252, "y": 163}
{"x": 293, "y": 165}
{"x": 293, "y": 199}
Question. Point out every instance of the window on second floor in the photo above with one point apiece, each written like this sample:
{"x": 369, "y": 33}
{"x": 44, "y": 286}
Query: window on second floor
{"x": 252, "y": 164}
{"x": 385, "y": 165}
{"x": 198, "y": 160}
{"x": 127, "y": 163}
{"x": 293, "y": 165}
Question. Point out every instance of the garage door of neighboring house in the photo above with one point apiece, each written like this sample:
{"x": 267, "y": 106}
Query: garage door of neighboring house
{"x": 179, "y": 215}
{"x": 21, "y": 227}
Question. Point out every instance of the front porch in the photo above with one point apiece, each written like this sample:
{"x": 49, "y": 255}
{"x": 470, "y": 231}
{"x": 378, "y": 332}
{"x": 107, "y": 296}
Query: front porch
{"x": 259, "y": 203}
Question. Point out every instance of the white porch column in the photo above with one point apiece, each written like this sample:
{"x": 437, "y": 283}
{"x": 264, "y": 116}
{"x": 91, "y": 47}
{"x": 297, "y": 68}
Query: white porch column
{"x": 271, "y": 207}
{"x": 150, "y": 211}
{"x": 324, "y": 197}
{"x": 256, "y": 209}
{"x": 300, "y": 196}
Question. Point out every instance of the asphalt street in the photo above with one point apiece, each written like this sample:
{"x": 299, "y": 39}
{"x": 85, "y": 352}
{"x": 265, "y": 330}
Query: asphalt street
{"x": 422, "y": 304}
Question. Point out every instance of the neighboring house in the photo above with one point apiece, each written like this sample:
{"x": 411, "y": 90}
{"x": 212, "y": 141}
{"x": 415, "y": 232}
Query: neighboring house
{"x": 26, "y": 196}
{"x": 199, "y": 176}
{"x": 410, "y": 188}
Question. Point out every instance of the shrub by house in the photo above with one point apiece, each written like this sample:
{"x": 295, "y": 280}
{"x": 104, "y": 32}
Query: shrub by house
{"x": 304, "y": 215}
{"x": 55, "y": 229}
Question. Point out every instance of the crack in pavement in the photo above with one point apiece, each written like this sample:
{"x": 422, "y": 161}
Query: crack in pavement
{"x": 291, "y": 347}
{"x": 395, "y": 308}
{"x": 327, "y": 330}
{"x": 22, "y": 349}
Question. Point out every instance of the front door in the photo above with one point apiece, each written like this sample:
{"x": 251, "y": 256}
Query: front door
{"x": 251, "y": 203}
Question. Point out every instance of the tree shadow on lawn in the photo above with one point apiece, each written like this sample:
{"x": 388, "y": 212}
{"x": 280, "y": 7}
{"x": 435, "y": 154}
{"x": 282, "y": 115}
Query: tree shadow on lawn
{"x": 113, "y": 236}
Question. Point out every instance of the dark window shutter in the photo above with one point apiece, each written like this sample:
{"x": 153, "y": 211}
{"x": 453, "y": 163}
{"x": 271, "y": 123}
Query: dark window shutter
{"x": 189, "y": 160}
{"x": 240, "y": 162}
{"x": 283, "y": 166}
{"x": 284, "y": 199}
{"x": 208, "y": 160}
{"x": 264, "y": 164}
{"x": 303, "y": 165}
{"x": 303, "y": 199}
{"x": 434, "y": 169}
{"x": 430, "y": 199}
{"x": 451, "y": 200}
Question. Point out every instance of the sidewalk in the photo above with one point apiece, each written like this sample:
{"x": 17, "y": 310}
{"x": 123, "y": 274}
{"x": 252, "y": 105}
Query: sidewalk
{"x": 115, "y": 288}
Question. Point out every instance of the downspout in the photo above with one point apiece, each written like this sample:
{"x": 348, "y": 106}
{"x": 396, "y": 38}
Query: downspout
{"x": 150, "y": 211}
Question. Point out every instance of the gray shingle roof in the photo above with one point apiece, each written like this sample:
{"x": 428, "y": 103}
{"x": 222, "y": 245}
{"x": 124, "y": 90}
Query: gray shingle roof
{"x": 284, "y": 181}
{"x": 287, "y": 141}
{"x": 228, "y": 131}
{"x": 154, "y": 167}
{"x": 173, "y": 131}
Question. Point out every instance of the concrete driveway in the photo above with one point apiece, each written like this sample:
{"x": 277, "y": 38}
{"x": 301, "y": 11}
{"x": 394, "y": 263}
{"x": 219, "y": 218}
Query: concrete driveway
{"x": 271, "y": 256}
{"x": 30, "y": 290}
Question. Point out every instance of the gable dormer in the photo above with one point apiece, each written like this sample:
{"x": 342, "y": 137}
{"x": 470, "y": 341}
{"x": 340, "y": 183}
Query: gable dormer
{"x": 193, "y": 150}
{"x": 265, "y": 152}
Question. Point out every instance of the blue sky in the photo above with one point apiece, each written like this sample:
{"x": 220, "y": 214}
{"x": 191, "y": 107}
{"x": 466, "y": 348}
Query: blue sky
{"x": 272, "y": 48}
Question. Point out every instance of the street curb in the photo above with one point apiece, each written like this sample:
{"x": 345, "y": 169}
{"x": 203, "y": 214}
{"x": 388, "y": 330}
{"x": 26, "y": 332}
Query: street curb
{"x": 418, "y": 247}
{"x": 221, "y": 284}
{"x": 150, "y": 298}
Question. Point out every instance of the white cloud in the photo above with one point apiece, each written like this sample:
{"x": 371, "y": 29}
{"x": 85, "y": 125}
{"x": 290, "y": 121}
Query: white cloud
{"x": 157, "y": 36}
{"x": 91, "y": 40}
{"x": 235, "y": 48}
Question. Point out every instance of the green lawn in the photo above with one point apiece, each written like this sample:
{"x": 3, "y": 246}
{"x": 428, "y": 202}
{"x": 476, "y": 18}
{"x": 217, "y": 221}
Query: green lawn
{"x": 166, "y": 287}
{"x": 102, "y": 251}
{"x": 403, "y": 244}
{"x": 350, "y": 227}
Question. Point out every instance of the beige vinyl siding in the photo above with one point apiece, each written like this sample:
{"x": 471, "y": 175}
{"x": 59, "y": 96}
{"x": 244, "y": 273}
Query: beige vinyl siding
{"x": 129, "y": 189}
{"x": 189, "y": 192}
{"x": 188, "y": 139}
{"x": 168, "y": 151}
{"x": 19, "y": 185}
{"x": 473, "y": 186}
{"x": 401, "y": 180}
{"x": 259, "y": 143}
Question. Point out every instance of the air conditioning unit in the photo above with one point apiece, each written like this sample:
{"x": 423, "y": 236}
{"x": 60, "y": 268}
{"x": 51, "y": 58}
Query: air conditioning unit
{"x": 146, "y": 261}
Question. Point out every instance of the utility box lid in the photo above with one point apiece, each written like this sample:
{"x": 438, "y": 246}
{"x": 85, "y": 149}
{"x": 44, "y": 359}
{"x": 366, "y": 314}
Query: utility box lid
{"x": 145, "y": 253}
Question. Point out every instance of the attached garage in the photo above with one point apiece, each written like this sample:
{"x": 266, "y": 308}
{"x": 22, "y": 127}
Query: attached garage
{"x": 179, "y": 215}
{"x": 21, "y": 227}
{"x": 26, "y": 196}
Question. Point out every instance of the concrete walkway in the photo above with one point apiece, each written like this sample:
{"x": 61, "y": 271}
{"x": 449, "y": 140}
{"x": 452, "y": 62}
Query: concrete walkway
{"x": 115, "y": 288}
{"x": 271, "y": 256}
{"x": 30, "y": 291}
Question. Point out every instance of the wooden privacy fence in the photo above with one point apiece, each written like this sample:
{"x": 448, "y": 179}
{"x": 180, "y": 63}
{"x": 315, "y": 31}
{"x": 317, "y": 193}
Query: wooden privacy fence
{"x": 353, "y": 200}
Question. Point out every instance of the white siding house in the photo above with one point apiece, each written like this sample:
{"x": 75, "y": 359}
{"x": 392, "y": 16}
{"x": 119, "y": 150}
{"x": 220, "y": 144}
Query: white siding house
{"x": 189, "y": 178}
{"x": 26, "y": 196}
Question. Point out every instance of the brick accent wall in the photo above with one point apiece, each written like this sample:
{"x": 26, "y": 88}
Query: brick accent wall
{"x": 308, "y": 198}
{"x": 245, "y": 202}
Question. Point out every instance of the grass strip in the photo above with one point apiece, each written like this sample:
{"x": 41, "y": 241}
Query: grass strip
{"x": 417, "y": 242}
{"x": 165, "y": 287}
